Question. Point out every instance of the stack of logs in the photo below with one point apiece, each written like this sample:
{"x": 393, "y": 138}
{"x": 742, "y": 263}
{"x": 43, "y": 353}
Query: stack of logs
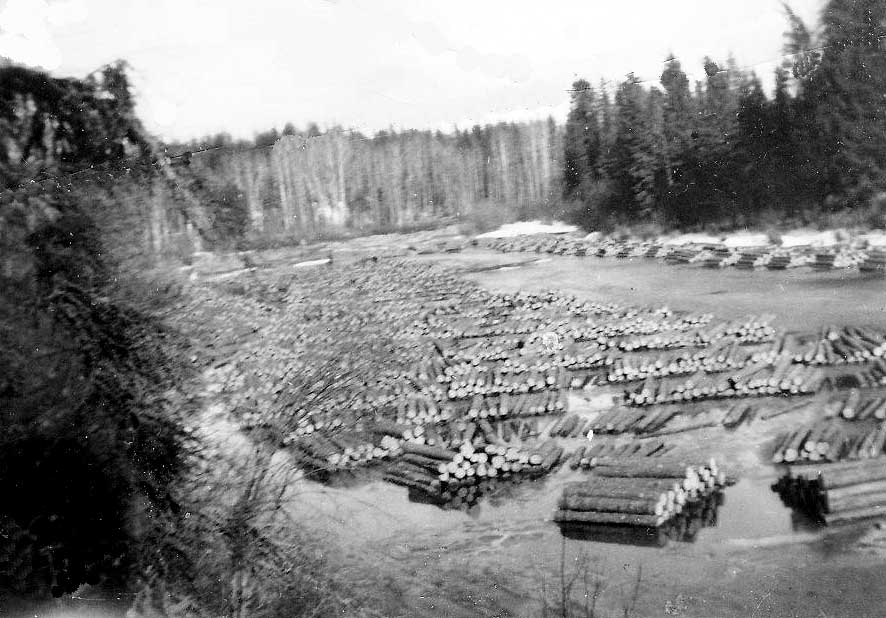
{"x": 451, "y": 475}
{"x": 875, "y": 262}
{"x": 846, "y": 345}
{"x": 830, "y": 440}
{"x": 591, "y": 455}
{"x": 779, "y": 261}
{"x": 836, "y": 492}
{"x": 755, "y": 380}
{"x": 637, "y": 491}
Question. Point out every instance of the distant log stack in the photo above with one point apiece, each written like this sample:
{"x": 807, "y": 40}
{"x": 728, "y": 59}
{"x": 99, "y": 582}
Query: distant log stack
{"x": 875, "y": 261}
{"x": 749, "y": 258}
{"x": 824, "y": 261}
{"x": 837, "y": 493}
{"x": 717, "y": 257}
{"x": 637, "y": 492}
{"x": 833, "y": 440}
{"x": 779, "y": 261}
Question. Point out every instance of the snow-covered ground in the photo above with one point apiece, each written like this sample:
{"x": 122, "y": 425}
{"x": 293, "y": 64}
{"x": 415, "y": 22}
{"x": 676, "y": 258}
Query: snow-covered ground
{"x": 744, "y": 239}
{"x": 875, "y": 239}
{"x": 309, "y": 263}
{"x": 687, "y": 239}
{"x": 801, "y": 238}
{"x": 793, "y": 238}
{"x": 526, "y": 228}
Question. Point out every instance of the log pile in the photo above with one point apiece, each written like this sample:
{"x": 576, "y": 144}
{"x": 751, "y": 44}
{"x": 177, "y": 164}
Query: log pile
{"x": 718, "y": 256}
{"x": 847, "y": 345}
{"x": 824, "y": 260}
{"x": 728, "y": 355}
{"x": 831, "y": 440}
{"x": 682, "y": 528}
{"x": 637, "y": 492}
{"x": 680, "y": 255}
{"x": 589, "y": 456}
{"x": 779, "y": 261}
{"x": 750, "y": 258}
{"x": 653, "y": 251}
{"x": 756, "y": 380}
{"x": 460, "y": 477}
{"x": 875, "y": 261}
{"x": 838, "y": 492}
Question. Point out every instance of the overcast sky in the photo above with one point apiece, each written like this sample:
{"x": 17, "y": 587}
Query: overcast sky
{"x": 203, "y": 66}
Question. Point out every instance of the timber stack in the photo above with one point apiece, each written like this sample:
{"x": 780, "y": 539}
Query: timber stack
{"x": 459, "y": 477}
{"x": 875, "y": 262}
{"x": 637, "y": 492}
{"x": 824, "y": 260}
{"x": 717, "y": 257}
{"x": 779, "y": 261}
{"x": 749, "y": 258}
{"x": 831, "y": 440}
{"x": 838, "y": 492}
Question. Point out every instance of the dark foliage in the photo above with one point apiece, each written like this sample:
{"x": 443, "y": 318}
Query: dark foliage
{"x": 89, "y": 435}
{"x": 725, "y": 153}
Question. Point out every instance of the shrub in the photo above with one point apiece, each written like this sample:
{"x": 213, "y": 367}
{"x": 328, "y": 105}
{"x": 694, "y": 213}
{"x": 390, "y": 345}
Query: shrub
{"x": 485, "y": 216}
{"x": 228, "y": 212}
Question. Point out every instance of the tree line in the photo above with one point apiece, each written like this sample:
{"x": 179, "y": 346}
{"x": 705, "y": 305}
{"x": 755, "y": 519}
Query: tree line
{"x": 719, "y": 151}
{"x": 722, "y": 152}
{"x": 305, "y": 185}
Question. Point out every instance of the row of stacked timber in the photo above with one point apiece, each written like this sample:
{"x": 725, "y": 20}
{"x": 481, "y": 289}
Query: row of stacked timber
{"x": 446, "y": 475}
{"x": 717, "y": 358}
{"x": 871, "y": 259}
{"x": 599, "y": 452}
{"x": 846, "y": 345}
{"x": 750, "y": 258}
{"x": 640, "y": 492}
{"x": 759, "y": 379}
{"x": 682, "y": 528}
{"x": 836, "y": 492}
{"x": 779, "y": 261}
{"x": 829, "y": 439}
{"x": 716, "y": 257}
{"x": 875, "y": 261}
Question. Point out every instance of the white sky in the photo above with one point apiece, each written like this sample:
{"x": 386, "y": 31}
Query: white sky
{"x": 203, "y": 66}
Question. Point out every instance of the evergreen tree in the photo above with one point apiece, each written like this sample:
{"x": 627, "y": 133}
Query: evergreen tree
{"x": 847, "y": 88}
{"x": 582, "y": 140}
{"x": 752, "y": 153}
{"x": 628, "y": 163}
{"x": 678, "y": 123}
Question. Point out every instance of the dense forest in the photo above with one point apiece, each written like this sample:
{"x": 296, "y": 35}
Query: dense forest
{"x": 86, "y": 441}
{"x": 721, "y": 152}
{"x": 307, "y": 185}
{"x": 97, "y": 462}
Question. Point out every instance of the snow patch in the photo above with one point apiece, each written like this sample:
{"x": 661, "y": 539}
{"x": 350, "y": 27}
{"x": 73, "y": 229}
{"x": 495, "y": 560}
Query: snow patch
{"x": 875, "y": 239}
{"x": 527, "y": 228}
{"x": 688, "y": 239}
{"x": 804, "y": 238}
{"x": 312, "y": 263}
{"x": 746, "y": 240}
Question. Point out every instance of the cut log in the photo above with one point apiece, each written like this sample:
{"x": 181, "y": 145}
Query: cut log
{"x": 433, "y": 452}
{"x": 861, "y": 472}
{"x": 613, "y": 505}
{"x": 854, "y": 515}
{"x": 649, "y": 470}
{"x": 591, "y": 517}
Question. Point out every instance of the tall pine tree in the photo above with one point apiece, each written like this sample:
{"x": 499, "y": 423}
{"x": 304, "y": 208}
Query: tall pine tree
{"x": 582, "y": 140}
{"x": 848, "y": 88}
